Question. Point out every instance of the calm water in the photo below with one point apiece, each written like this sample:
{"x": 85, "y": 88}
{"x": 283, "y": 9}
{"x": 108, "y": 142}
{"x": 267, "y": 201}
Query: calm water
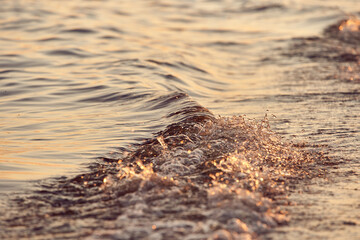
{"x": 85, "y": 80}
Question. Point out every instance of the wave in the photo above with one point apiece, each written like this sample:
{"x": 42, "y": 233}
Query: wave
{"x": 338, "y": 45}
{"x": 201, "y": 177}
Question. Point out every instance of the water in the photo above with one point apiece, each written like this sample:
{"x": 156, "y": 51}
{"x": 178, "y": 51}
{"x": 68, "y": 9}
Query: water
{"x": 87, "y": 82}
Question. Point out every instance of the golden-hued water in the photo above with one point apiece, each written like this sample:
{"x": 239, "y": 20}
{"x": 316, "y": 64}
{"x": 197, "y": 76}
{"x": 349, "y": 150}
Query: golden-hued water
{"x": 172, "y": 119}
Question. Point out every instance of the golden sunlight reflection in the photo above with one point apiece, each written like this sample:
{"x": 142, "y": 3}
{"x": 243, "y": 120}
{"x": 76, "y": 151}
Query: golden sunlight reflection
{"x": 351, "y": 25}
{"x": 45, "y": 144}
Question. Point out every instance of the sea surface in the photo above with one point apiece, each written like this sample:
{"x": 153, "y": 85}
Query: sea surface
{"x": 169, "y": 119}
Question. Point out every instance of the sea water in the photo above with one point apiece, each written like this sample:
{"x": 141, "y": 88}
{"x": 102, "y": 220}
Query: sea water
{"x": 114, "y": 106}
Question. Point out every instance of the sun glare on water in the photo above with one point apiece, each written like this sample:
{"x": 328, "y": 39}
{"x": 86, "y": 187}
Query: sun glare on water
{"x": 351, "y": 25}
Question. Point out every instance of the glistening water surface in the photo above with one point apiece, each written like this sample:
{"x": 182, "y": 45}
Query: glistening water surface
{"x": 135, "y": 89}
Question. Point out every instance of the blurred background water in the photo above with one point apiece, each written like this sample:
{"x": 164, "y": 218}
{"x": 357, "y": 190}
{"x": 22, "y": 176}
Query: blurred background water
{"x": 82, "y": 79}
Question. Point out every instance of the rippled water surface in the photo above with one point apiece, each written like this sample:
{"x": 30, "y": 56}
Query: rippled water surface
{"x": 135, "y": 89}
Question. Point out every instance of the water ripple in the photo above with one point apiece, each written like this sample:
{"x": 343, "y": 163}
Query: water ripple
{"x": 79, "y": 31}
{"x": 70, "y": 53}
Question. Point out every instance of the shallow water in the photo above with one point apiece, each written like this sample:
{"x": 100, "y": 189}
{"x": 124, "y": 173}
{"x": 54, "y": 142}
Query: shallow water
{"x": 87, "y": 80}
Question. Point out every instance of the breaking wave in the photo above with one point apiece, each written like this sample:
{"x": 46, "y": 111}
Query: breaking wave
{"x": 203, "y": 177}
